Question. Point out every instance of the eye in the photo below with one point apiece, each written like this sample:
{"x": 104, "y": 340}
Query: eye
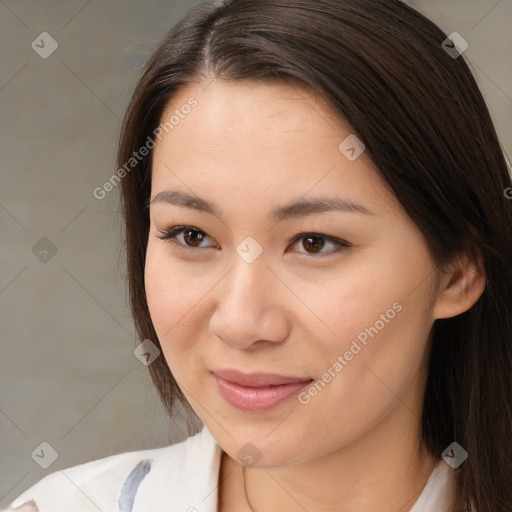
{"x": 190, "y": 235}
{"x": 192, "y": 238}
{"x": 315, "y": 242}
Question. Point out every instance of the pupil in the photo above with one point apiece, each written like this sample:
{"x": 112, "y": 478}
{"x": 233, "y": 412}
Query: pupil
{"x": 198, "y": 237}
{"x": 317, "y": 246}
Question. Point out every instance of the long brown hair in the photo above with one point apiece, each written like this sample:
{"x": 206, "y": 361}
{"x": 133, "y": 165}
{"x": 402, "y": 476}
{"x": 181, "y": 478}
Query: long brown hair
{"x": 383, "y": 68}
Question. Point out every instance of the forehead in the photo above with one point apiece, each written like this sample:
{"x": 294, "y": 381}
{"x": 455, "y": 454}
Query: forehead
{"x": 229, "y": 114}
{"x": 252, "y": 138}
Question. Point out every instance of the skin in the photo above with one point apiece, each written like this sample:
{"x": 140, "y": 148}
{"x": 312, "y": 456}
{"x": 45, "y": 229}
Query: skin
{"x": 355, "y": 446}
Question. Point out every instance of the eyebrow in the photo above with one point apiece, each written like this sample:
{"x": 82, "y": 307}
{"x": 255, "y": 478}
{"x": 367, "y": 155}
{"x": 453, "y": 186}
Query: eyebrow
{"x": 299, "y": 208}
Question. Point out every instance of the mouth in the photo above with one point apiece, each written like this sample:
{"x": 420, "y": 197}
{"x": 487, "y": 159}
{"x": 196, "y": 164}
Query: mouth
{"x": 258, "y": 391}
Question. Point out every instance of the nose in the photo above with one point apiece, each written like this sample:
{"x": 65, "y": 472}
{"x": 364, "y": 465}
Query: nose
{"x": 250, "y": 306}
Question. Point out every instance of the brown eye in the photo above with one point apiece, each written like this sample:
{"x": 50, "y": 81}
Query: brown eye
{"x": 192, "y": 237}
{"x": 313, "y": 243}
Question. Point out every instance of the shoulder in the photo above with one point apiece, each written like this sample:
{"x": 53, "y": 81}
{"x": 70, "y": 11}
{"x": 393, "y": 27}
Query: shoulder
{"x": 180, "y": 475}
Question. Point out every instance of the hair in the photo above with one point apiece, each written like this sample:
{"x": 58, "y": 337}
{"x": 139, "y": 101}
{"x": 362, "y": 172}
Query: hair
{"x": 381, "y": 67}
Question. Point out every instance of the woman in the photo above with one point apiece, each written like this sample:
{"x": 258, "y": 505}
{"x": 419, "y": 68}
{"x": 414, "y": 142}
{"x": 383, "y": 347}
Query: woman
{"x": 319, "y": 245}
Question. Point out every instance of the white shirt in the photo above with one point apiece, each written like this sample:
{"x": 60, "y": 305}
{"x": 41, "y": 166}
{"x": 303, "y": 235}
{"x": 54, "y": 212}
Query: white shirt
{"x": 178, "y": 478}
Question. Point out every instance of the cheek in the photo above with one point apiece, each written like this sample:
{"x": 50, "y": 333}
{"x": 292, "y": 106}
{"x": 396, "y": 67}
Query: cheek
{"x": 175, "y": 297}
{"x": 352, "y": 395}
{"x": 340, "y": 307}
{"x": 381, "y": 321}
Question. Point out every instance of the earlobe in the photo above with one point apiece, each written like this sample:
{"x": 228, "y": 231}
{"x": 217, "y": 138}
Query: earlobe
{"x": 460, "y": 288}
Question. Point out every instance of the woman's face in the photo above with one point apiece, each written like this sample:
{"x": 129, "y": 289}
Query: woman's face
{"x": 263, "y": 287}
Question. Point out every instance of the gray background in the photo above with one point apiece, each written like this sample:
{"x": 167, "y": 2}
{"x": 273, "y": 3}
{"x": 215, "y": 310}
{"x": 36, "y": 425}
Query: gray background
{"x": 68, "y": 373}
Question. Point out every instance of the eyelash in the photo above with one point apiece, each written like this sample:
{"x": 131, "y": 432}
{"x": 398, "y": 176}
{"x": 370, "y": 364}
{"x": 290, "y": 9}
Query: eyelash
{"x": 170, "y": 234}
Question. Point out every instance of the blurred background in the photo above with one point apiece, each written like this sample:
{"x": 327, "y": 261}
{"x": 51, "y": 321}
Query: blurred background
{"x": 71, "y": 388}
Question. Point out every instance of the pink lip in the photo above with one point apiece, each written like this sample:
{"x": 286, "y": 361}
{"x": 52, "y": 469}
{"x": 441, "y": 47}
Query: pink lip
{"x": 257, "y": 392}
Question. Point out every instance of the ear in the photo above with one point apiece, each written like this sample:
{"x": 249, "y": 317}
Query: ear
{"x": 460, "y": 287}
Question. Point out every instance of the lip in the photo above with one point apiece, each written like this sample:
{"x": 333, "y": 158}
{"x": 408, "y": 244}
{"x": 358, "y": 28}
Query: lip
{"x": 257, "y": 391}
